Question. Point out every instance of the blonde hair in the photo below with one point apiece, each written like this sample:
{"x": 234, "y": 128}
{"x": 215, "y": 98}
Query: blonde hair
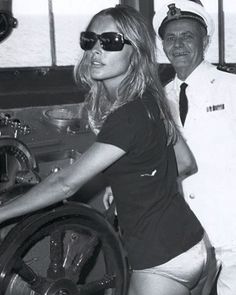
{"x": 142, "y": 72}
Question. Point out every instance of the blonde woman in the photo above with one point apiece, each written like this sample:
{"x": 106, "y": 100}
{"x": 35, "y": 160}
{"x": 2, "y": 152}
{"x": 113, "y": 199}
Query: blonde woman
{"x": 134, "y": 148}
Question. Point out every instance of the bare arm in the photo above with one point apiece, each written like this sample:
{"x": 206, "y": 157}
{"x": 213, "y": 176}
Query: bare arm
{"x": 186, "y": 162}
{"x": 63, "y": 184}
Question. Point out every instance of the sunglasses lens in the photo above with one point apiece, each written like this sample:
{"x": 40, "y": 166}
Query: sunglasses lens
{"x": 111, "y": 41}
{"x": 87, "y": 40}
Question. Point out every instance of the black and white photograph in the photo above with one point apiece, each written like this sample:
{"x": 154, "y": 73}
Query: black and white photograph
{"x": 117, "y": 147}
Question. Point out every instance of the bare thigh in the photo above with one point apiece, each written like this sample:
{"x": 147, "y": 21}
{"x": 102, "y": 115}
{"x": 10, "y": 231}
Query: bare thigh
{"x": 175, "y": 277}
{"x": 153, "y": 284}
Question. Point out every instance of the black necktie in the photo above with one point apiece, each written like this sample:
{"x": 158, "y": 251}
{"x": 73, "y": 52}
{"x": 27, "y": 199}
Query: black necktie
{"x": 183, "y": 102}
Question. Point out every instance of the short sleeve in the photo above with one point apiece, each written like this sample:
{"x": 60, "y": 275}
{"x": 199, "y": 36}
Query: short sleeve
{"x": 119, "y": 129}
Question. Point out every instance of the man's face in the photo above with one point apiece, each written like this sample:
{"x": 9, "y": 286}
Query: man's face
{"x": 184, "y": 43}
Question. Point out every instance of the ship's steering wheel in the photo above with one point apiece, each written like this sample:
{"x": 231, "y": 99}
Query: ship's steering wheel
{"x": 70, "y": 249}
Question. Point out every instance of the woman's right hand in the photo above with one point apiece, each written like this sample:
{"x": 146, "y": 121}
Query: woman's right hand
{"x": 186, "y": 162}
{"x": 108, "y": 197}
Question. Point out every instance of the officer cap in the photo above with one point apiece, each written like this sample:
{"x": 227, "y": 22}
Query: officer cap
{"x": 182, "y": 9}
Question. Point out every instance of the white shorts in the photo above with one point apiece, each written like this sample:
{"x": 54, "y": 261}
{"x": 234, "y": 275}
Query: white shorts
{"x": 186, "y": 268}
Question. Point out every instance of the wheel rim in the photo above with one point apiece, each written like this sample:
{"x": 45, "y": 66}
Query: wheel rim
{"x": 72, "y": 235}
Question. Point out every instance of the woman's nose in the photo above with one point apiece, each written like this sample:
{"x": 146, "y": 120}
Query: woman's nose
{"x": 97, "y": 46}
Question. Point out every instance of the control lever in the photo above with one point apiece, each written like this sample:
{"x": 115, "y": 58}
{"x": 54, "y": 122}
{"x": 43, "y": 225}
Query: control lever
{"x": 18, "y": 168}
{"x": 18, "y": 127}
{"x": 3, "y": 168}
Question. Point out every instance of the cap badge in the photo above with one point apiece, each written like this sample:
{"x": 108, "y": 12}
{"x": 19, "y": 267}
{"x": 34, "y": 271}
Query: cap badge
{"x": 173, "y": 12}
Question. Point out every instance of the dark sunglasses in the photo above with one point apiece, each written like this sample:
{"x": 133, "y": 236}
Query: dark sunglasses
{"x": 7, "y": 24}
{"x": 109, "y": 41}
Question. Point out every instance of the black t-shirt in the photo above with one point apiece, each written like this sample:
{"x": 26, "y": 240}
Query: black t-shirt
{"x": 156, "y": 222}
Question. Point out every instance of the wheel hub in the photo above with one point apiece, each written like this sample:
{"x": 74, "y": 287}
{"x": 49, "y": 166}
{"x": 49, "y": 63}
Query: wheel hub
{"x": 62, "y": 287}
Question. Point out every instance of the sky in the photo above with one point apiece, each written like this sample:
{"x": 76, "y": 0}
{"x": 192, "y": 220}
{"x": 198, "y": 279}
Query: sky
{"x": 212, "y": 5}
{"x": 60, "y": 6}
{"x": 85, "y": 6}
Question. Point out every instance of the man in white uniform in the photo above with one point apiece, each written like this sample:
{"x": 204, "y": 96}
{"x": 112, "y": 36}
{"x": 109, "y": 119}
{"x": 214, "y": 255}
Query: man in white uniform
{"x": 209, "y": 128}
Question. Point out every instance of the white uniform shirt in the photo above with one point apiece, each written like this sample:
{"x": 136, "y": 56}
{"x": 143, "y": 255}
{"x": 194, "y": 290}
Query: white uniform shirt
{"x": 210, "y": 131}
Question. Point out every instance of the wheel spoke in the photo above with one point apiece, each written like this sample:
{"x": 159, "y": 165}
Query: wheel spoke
{"x": 107, "y": 282}
{"x": 36, "y": 283}
{"x": 81, "y": 257}
{"x": 56, "y": 269}
{"x": 72, "y": 247}
{"x": 26, "y": 272}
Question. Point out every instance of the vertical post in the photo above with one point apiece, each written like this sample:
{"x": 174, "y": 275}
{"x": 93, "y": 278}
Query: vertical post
{"x": 133, "y": 3}
{"x": 145, "y": 7}
{"x": 6, "y": 5}
{"x": 221, "y": 33}
{"x": 52, "y": 33}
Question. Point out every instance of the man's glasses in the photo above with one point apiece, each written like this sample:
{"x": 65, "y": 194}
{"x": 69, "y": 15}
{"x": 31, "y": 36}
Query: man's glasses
{"x": 109, "y": 41}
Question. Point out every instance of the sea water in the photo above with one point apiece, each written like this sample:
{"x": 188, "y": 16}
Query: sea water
{"x": 29, "y": 44}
